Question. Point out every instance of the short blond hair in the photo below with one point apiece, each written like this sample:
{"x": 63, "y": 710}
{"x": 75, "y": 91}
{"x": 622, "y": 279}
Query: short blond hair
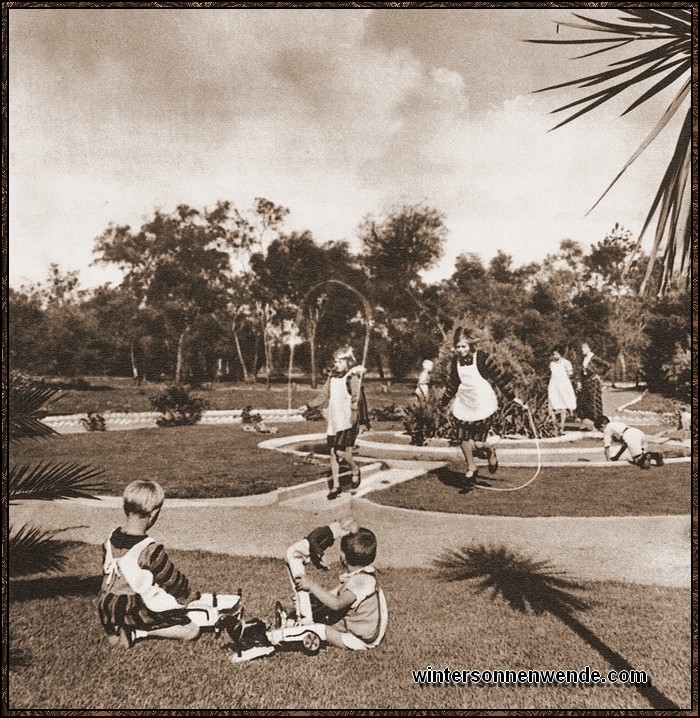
{"x": 142, "y": 497}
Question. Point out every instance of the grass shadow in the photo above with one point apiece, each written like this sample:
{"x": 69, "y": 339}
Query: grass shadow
{"x": 53, "y": 586}
{"x": 525, "y": 584}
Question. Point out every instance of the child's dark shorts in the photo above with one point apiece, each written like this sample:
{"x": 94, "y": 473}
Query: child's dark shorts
{"x": 474, "y": 430}
{"x": 343, "y": 439}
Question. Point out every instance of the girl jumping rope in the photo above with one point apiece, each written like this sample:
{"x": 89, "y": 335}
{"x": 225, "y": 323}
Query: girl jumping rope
{"x": 475, "y": 401}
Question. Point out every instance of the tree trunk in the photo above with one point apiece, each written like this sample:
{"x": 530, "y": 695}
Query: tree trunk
{"x": 313, "y": 326}
{"x": 266, "y": 344}
{"x": 134, "y": 366}
{"x": 240, "y": 355}
{"x": 179, "y": 367}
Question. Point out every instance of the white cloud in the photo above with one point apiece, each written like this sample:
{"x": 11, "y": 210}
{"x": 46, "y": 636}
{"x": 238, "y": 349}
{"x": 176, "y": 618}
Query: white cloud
{"x": 115, "y": 113}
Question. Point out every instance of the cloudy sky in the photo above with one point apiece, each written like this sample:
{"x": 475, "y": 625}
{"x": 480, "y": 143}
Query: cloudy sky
{"x": 334, "y": 114}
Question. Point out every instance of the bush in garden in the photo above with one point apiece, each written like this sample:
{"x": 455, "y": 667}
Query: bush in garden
{"x": 178, "y": 407}
{"x": 247, "y": 416}
{"x": 94, "y": 422}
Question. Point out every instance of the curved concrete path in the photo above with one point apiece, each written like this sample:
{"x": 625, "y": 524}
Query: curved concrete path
{"x": 645, "y": 550}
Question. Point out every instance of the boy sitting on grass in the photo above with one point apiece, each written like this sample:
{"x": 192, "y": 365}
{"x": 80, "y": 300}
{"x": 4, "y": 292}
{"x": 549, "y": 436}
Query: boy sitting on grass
{"x": 142, "y": 590}
{"x": 630, "y": 439}
{"x": 354, "y": 614}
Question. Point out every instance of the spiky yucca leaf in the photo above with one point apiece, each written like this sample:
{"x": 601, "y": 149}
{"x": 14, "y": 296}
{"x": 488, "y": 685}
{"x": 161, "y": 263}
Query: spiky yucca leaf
{"x": 49, "y": 481}
{"x": 33, "y": 550}
{"x": 520, "y": 581}
{"x": 668, "y": 61}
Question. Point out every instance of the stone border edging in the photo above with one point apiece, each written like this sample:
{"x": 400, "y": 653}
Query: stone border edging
{"x": 121, "y": 420}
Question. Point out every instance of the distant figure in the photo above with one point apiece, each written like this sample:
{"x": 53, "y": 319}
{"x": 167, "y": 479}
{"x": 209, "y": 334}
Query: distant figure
{"x": 423, "y": 386}
{"x": 560, "y": 392}
{"x": 590, "y": 385}
{"x": 685, "y": 423}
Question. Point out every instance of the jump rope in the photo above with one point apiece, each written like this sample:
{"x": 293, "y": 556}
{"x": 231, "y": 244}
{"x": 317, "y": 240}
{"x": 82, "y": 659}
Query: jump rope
{"x": 539, "y": 462}
{"x": 311, "y": 459}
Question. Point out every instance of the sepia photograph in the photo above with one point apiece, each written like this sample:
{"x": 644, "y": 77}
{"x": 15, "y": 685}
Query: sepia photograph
{"x": 349, "y": 357}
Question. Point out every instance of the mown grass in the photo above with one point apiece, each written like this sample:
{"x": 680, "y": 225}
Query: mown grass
{"x": 189, "y": 461}
{"x": 560, "y": 491}
{"x": 63, "y": 660}
{"x": 119, "y": 394}
{"x": 221, "y": 461}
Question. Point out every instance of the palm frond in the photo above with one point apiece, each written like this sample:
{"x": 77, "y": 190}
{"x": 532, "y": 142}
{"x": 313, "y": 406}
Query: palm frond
{"x": 32, "y": 550}
{"x": 665, "y": 119}
{"x": 25, "y": 404}
{"x": 671, "y": 58}
{"x": 48, "y": 481}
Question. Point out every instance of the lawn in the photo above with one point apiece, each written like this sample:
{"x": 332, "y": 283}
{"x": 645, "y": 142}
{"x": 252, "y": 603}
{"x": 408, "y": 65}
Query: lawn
{"x": 189, "y": 461}
{"x": 560, "y": 491}
{"x": 121, "y": 394}
{"x": 214, "y": 461}
{"x": 61, "y": 660}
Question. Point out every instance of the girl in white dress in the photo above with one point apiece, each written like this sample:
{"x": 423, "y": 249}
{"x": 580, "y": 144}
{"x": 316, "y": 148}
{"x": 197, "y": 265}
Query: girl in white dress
{"x": 346, "y": 412}
{"x": 560, "y": 392}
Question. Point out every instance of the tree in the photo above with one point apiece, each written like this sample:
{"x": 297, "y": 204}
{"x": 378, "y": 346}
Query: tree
{"x": 176, "y": 264}
{"x": 667, "y": 62}
{"x": 293, "y": 265}
{"x": 254, "y": 231}
{"x": 397, "y": 246}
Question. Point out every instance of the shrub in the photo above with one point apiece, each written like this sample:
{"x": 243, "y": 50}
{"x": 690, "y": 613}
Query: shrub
{"x": 178, "y": 407}
{"x": 94, "y": 422}
{"x": 425, "y": 420}
{"x": 392, "y": 412}
{"x": 247, "y": 416}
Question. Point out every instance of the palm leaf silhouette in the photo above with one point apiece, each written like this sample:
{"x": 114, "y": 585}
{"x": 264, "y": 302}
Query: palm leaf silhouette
{"x": 49, "y": 481}
{"x": 523, "y": 584}
{"x": 31, "y": 549}
{"x": 668, "y": 61}
{"x": 35, "y": 551}
{"x": 26, "y": 400}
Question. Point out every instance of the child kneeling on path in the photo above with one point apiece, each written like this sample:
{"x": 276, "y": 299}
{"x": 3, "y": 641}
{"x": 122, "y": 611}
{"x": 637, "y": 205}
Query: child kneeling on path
{"x": 632, "y": 440}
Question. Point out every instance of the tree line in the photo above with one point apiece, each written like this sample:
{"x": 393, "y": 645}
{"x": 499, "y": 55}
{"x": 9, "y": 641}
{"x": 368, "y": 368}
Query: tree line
{"x": 225, "y": 293}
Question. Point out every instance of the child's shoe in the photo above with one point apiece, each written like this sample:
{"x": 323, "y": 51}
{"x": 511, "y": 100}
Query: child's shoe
{"x": 334, "y": 493}
{"x": 657, "y": 458}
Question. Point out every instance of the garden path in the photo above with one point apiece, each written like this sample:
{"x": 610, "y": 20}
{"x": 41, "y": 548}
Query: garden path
{"x": 653, "y": 550}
